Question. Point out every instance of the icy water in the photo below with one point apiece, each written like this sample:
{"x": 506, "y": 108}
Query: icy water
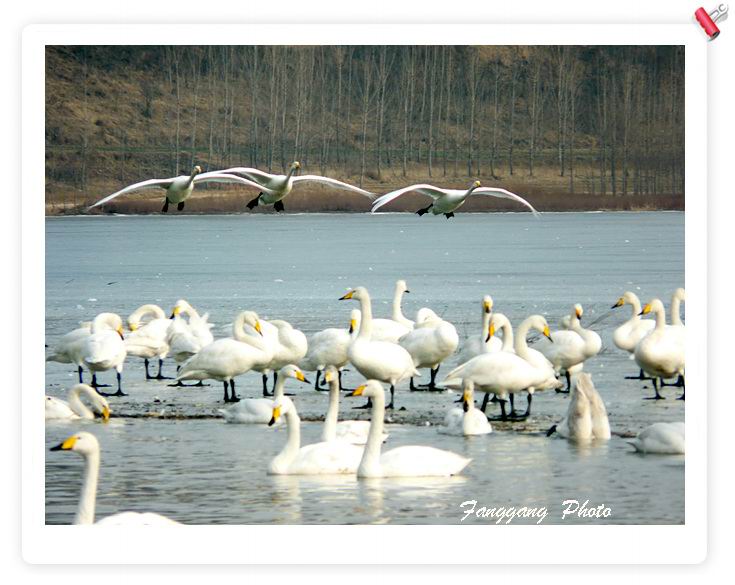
{"x": 167, "y": 450}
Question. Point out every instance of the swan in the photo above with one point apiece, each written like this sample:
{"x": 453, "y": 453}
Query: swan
{"x": 505, "y": 372}
{"x": 88, "y": 447}
{"x": 327, "y": 457}
{"x": 467, "y": 420}
{"x": 661, "y": 353}
{"x": 378, "y": 360}
{"x": 287, "y": 346}
{"x": 397, "y": 314}
{"x": 259, "y": 410}
{"x": 398, "y": 325}
{"x": 429, "y": 344}
{"x": 75, "y": 409}
{"x": 586, "y": 417}
{"x": 676, "y": 299}
{"x": 352, "y": 431}
{"x": 480, "y": 343}
{"x": 274, "y": 188}
{"x": 186, "y": 338}
{"x": 408, "y": 461}
{"x": 149, "y": 340}
{"x": 70, "y": 347}
{"x": 328, "y": 347}
{"x": 661, "y": 438}
{"x": 447, "y": 201}
{"x": 627, "y": 336}
{"x": 178, "y": 189}
{"x": 571, "y": 347}
{"x": 104, "y": 348}
{"x": 225, "y": 359}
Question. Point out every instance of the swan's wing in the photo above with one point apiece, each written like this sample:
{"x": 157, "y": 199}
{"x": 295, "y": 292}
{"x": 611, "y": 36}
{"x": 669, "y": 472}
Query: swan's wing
{"x": 424, "y": 189}
{"x": 333, "y": 183}
{"x": 222, "y": 177}
{"x": 252, "y": 174}
{"x": 503, "y": 194}
{"x": 149, "y": 184}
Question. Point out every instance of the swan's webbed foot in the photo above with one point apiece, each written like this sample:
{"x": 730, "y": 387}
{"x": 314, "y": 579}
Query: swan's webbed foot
{"x": 164, "y": 209}
{"x": 390, "y": 406}
{"x": 424, "y": 210}
{"x": 254, "y": 202}
{"x": 560, "y": 391}
{"x": 180, "y": 384}
{"x": 551, "y": 430}
{"x": 448, "y": 215}
{"x": 657, "y": 396}
{"x": 641, "y": 376}
{"x": 278, "y": 206}
{"x": 366, "y": 406}
{"x": 118, "y": 393}
{"x": 180, "y": 206}
{"x": 678, "y": 384}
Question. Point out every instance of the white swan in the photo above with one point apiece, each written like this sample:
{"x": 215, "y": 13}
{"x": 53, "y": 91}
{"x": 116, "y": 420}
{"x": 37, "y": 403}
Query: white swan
{"x": 377, "y": 360}
{"x": 397, "y": 313}
{"x": 447, "y": 201}
{"x": 506, "y": 372}
{"x": 429, "y": 344}
{"x": 467, "y": 420}
{"x": 70, "y": 348}
{"x": 327, "y": 457}
{"x": 480, "y": 343}
{"x": 661, "y": 353}
{"x": 408, "y": 461}
{"x": 258, "y": 411}
{"x": 275, "y": 187}
{"x": 148, "y": 339}
{"x": 225, "y": 359}
{"x": 88, "y": 447}
{"x": 661, "y": 438}
{"x": 75, "y": 409}
{"x": 678, "y": 296}
{"x": 186, "y": 338}
{"x": 178, "y": 189}
{"x": 627, "y": 336}
{"x": 352, "y": 431}
{"x": 328, "y": 347}
{"x": 571, "y": 347}
{"x": 586, "y": 417}
{"x": 104, "y": 348}
{"x": 398, "y": 325}
{"x": 287, "y": 345}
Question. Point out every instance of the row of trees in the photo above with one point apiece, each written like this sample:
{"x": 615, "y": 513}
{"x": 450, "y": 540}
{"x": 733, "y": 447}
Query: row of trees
{"x": 606, "y": 119}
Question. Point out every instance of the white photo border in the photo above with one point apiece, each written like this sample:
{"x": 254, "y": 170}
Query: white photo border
{"x": 439, "y": 544}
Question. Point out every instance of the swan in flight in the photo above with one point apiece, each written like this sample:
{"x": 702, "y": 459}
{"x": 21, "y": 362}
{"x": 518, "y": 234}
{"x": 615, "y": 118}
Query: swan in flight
{"x": 627, "y": 336}
{"x": 480, "y": 343}
{"x": 377, "y": 360}
{"x": 274, "y": 188}
{"x": 74, "y": 408}
{"x": 431, "y": 342}
{"x": 586, "y": 417}
{"x": 447, "y": 201}
{"x": 352, "y": 431}
{"x": 104, "y": 348}
{"x": 571, "y": 347}
{"x": 325, "y": 458}
{"x": 661, "y": 438}
{"x": 149, "y": 339}
{"x": 328, "y": 347}
{"x": 468, "y": 420}
{"x": 178, "y": 189}
{"x": 186, "y": 338}
{"x": 661, "y": 353}
{"x": 86, "y": 445}
{"x": 70, "y": 347}
{"x": 408, "y": 461}
{"x": 257, "y": 411}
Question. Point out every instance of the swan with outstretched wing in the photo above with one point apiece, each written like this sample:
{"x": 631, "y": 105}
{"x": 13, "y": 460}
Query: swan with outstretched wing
{"x": 178, "y": 189}
{"x": 447, "y": 201}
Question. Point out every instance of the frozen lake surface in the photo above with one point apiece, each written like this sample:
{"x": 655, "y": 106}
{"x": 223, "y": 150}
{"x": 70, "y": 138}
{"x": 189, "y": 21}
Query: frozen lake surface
{"x": 167, "y": 451}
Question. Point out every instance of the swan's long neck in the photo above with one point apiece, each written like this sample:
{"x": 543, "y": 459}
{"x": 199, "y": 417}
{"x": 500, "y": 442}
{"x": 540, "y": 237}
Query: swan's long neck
{"x": 485, "y": 326}
{"x": 676, "y": 310}
{"x": 88, "y": 497}
{"x": 635, "y": 303}
{"x": 238, "y": 332}
{"x": 470, "y": 190}
{"x": 507, "y": 337}
{"x": 278, "y": 391}
{"x": 660, "y": 317}
{"x": 191, "y": 177}
{"x": 293, "y": 443}
{"x": 366, "y": 321}
{"x": 371, "y": 455}
{"x": 140, "y": 312}
{"x": 576, "y": 326}
{"x": 103, "y": 321}
{"x": 471, "y": 401}
{"x": 77, "y": 405}
{"x": 291, "y": 171}
{"x": 521, "y": 343}
{"x": 330, "y": 421}
{"x": 397, "y": 311}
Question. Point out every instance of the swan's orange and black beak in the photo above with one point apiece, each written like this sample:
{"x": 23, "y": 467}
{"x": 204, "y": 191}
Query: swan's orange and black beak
{"x": 352, "y": 326}
{"x": 258, "y": 328}
{"x": 646, "y": 309}
{"x": 547, "y": 334}
{"x": 106, "y": 413}
{"x": 301, "y": 378}
{"x": 619, "y": 303}
{"x": 275, "y": 416}
{"x": 358, "y": 391}
{"x": 348, "y": 296}
{"x": 466, "y": 401}
{"x": 67, "y": 445}
{"x": 490, "y": 332}
{"x": 120, "y": 332}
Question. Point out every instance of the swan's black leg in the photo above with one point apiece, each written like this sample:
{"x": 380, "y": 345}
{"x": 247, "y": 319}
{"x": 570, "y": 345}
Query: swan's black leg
{"x": 226, "y": 397}
{"x": 341, "y": 387}
{"x": 683, "y": 385}
{"x": 119, "y": 388}
{"x": 233, "y": 396}
{"x": 518, "y": 415}
{"x": 503, "y": 414}
{"x": 147, "y": 374}
{"x": 657, "y": 396}
{"x": 448, "y": 215}
{"x": 180, "y": 206}
{"x": 641, "y": 376}
{"x": 160, "y": 375}
{"x": 275, "y": 379}
{"x": 431, "y": 386}
{"x": 678, "y": 384}
{"x": 485, "y": 401}
{"x": 278, "y": 206}
{"x": 411, "y": 386}
{"x": 423, "y": 210}
{"x": 569, "y": 384}
{"x": 80, "y": 371}
{"x": 265, "y": 385}
{"x": 367, "y": 405}
{"x": 165, "y": 206}
{"x": 95, "y": 384}
{"x": 551, "y": 431}
{"x": 254, "y": 202}
{"x": 392, "y": 392}
{"x": 316, "y": 381}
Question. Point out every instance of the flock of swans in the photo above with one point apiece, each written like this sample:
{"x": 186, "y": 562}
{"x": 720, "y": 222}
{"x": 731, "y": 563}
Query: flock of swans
{"x": 273, "y": 188}
{"x": 383, "y": 351}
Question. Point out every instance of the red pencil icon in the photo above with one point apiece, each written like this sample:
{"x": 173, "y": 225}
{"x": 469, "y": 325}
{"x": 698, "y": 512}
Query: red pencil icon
{"x": 707, "y": 20}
